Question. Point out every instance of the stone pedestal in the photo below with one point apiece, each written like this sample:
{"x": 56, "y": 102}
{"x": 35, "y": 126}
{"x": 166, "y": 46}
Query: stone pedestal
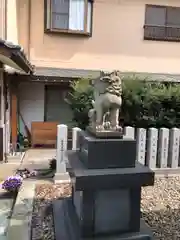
{"x": 102, "y": 153}
{"x": 105, "y": 203}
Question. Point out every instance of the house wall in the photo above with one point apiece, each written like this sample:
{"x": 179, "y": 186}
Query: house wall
{"x": 5, "y": 114}
{"x": 31, "y": 104}
{"x": 4, "y": 119}
{"x": 2, "y": 18}
{"x": 8, "y": 127}
{"x": 8, "y": 31}
{"x": 2, "y": 125}
{"x": 11, "y": 21}
{"x": 116, "y": 42}
{"x": 33, "y": 107}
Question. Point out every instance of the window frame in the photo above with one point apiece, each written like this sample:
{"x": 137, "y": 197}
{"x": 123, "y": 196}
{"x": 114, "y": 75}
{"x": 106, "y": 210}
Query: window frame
{"x": 50, "y": 29}
{"x": 165, "y": 26}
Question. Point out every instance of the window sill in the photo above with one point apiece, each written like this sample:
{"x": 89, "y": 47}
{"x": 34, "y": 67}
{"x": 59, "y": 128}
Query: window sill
{"x": 68, "y": 32}
{"x": 161, "y": 33}
{"x": 162, "y": 39}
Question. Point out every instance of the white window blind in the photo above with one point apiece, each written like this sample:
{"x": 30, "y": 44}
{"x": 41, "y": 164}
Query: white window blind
{"x": 155, "y": 16}
{"x": 76, "y": 14}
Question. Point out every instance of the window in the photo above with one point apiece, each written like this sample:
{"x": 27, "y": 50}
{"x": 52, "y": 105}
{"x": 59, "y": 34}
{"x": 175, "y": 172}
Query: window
{"x": 69, "y": 16}
{"x": 162, "y": 23}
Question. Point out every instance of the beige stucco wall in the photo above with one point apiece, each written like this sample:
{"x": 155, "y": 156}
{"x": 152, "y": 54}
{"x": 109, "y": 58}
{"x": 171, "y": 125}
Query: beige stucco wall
{"x": 117, "y": 40}
{"x": 11, "y": 21}
{"x": 2, "y": 18}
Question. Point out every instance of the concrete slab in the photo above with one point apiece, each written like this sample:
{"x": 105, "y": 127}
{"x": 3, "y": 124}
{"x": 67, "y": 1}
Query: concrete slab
{"x": 62, "y": 178}
{"x": 20, "y": 222}
{"x": 38, "y": 158}
{"x": 6, "y": 200}
{"x": 39, "y": 155}
{"x": 5, "y": 211}
{"x": 7, "y": 169}
{"x": 17, "y": 159}
{"x": 166, "y": 172}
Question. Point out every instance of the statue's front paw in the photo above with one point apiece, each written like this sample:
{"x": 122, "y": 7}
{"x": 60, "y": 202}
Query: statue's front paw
{"x": 99, "y": 128}
{"x": 118, "y": 128}
{"x": 107, "y": 125}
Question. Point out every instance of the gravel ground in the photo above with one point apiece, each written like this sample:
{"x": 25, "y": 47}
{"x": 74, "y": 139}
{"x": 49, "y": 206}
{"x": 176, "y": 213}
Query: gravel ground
{"x": 42, "y": 219}
{"x": 160, "y": 207}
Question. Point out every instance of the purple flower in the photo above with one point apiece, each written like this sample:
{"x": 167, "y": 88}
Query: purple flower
{"x": 12, "y": 183}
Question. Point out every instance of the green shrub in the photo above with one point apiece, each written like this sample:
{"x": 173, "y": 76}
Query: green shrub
{"x": 80, "y": 101}
{"x": 52, "y": 164}
{"x": 145, "y": 104}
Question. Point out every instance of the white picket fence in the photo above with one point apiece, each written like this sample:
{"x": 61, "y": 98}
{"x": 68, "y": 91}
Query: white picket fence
{"x": 156, "y": 148}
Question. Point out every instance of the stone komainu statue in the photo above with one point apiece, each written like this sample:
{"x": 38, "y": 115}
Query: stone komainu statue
{"x": 107, "y": 102}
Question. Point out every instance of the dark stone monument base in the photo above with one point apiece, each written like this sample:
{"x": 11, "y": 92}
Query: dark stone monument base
{"x": 67, "y": 227}
{"x": 97, "y": 153}
{"x": 106, "y": 202}
{"x": 112, "y": 178}
{"x": 100, "y": 212}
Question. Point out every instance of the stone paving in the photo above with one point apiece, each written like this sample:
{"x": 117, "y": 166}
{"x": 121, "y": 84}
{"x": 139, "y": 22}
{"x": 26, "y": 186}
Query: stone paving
{"x": 38, "y": 158}
{"x": 5, "y": 211}
{"x": 33, "y": 159}
{"x": 39, "y": 155}
{"x": 6, "y": 201}
{"x": 20, "y": 223}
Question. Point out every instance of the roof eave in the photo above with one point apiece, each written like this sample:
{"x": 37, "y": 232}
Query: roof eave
{"x": 22, "y": 62}
{"x": 17, "y": 55}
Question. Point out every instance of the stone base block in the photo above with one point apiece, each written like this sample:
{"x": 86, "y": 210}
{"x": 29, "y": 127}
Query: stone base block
{"x": 62, "y": 178}
{"x": 107, "y": 211}
{"x": 66, "y": 225}
{"x": 112, "y": 178}
{"x": 101, "y": 153}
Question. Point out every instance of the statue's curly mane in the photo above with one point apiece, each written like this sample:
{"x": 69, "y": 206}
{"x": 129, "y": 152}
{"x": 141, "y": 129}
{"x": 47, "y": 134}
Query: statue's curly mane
{"x": 114, "y": 83}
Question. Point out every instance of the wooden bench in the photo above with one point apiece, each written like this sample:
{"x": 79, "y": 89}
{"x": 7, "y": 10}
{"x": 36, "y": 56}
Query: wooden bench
{"x": 44, "y": 133}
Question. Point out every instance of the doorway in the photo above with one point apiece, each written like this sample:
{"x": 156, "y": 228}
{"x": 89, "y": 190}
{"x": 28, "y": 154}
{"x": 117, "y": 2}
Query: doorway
{"x": 57, "y": 108}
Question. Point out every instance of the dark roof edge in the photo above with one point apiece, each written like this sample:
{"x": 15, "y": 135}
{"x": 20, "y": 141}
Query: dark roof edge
{"x": 69, "y": 73}
{"x": 18, "y": 56}
{"x": 92, "y": 73}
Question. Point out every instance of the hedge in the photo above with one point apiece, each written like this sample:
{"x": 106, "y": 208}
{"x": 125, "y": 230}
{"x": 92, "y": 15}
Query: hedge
{"x": 145, "y": 104}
